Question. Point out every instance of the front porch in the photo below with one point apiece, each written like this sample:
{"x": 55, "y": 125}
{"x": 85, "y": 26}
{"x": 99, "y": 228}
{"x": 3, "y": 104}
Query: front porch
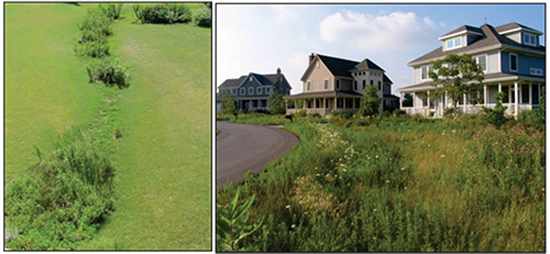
{"x": 518, "y": 96}
{"x": 324, "y": 106}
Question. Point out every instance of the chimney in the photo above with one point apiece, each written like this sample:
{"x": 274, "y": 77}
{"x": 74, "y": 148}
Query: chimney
{"x": 311, "y": 57}
{"x": 279, "y": 79}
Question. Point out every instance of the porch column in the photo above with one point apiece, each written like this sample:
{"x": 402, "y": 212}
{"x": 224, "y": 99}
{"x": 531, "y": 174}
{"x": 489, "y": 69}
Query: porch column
{"x": 335, "y": 102}
{"x": 401, "y": 100}
{"x": 414, "y": 102}
{"x": 485, "y": 95}
{"x": 499, "y": 87}
{"x": 531, "y": 94}
{"x": 464, "y": 103}
{"x": 516, "y": 112}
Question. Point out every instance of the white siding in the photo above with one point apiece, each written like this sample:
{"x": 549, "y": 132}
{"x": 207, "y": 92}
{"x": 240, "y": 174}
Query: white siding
{"x": 492, "y": 62}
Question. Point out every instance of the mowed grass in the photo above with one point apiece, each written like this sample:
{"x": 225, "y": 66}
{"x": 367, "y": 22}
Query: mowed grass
{"x": 164, "y": 160}
{"x": 46, "y": 86}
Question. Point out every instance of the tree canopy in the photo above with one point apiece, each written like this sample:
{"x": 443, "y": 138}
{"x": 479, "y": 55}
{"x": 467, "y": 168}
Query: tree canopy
{"x": 370, "y": 102}
{"x": 455, "y": 76}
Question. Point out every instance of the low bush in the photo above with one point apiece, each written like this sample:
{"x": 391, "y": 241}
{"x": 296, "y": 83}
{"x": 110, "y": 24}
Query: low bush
{"x": 110, "y": 72}
{"x": 341, "y": 114}
{"x": 203, "y": 17}
{"x": 495, "y": 115}
{"x": 112, "y": 11}
{"x": 162, "y": 13}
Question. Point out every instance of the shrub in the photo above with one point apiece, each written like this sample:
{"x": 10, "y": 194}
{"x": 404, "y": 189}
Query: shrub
{"x": 110, "y": 73}
{"x": 203, "y": 17}
{"x": 496, "y": 116}
{"x": 63, "y": 198}
{"x": 95, "y": 28}
{"x": 162, "y": 13}
{"x": 342, "y": 114}
{"x": 302, "y": 113}
{"x": 112, "y": 11}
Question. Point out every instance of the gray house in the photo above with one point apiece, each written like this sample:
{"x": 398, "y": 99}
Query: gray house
{"x": 331, "y": 83}
{"x": 251, "y": 92}
{"x": 510, "y": 55}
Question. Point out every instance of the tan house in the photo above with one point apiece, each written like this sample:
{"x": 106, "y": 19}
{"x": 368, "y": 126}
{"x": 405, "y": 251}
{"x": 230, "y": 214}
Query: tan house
{"x": 331, "y": 84}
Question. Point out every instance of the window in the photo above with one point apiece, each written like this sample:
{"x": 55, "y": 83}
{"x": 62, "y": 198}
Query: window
{"x": 513, "y": 62}
{"x": 267, "y": 90}
{"x": 242, "y": 90}
{"x": 364, "y": 84}
{"x": 309, "y": 85}
{"x": 529, "y": 39}
{"x": 424, "y": 72}
{"x": 535, "y": 94}
{"x": 536, "y": 71}
{"x": 454, "y": 43}
{"x": 234, "y": 91}
{"x": 326, "y": 84}
{"x": 250, "y": 79}
{"x": 355, "y": 85}
{"x": 250, "y": 90}
{"x": 482, "y": 61}
{"x": 259, "y": 90}
{"x": 337, "y": 84}
{"x": 371, "y": 82}
{"x": 525, "y": 93}
{"x": 379, "y": 85}
{"x": 450, "y": 44}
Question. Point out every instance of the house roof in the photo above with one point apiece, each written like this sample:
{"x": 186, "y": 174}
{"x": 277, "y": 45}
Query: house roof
{"x": 465, "y": 28}
{"x": 233, "y": 83}
{"x": 490, "y": 37}
{"x": 337, "y": 66}
{"x": 264, "y": 79}
{"x": 493, "y": 77}
{"x": 515, "y": 26}
{"x": 367, "y": 64}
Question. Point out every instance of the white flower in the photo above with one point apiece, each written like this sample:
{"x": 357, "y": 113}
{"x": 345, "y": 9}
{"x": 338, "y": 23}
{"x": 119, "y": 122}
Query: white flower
{"x": 287, "y": 206}
{"x": 388, "y": 181}
{"x": 453, "y": 131}
{"x": 374, "y": 210}
{"x": 293, "y": 226}
{"x": 402, "y": 169}
{"x": 443, "y": 155}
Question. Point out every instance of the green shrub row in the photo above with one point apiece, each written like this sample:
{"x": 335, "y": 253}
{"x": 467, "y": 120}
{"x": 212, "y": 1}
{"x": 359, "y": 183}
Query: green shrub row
{"x": 162, "y": 13}
{"x": 63, "y": 199}
{"x": 109, "y": 72}
{"x": 203, "y": 17}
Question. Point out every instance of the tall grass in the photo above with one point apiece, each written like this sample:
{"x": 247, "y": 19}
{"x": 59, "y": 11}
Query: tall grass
{"x": 402, "y": 186}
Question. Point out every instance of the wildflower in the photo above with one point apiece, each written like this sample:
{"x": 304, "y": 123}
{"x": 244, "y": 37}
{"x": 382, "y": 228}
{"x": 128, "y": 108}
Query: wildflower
{"x": 443, "y": 156}
{"x": 402, "y": 169}
{"x": 388, "y": 181}
{"x": 78, "y": 237}
{"x": 405, "y": 188}
{"x": 374, "y": 210}
{"x": 293, "y": 226}
{"x": 453, "y": 131}
{"x": 287, "y": 206}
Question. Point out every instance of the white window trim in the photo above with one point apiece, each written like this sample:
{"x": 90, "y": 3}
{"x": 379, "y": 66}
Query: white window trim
{"x": 510, "y": 62}
{"x": 251, "y": 91}
{"x": 234, "y": 91}
{"x": 327, "y": 86}
{"x": 258, "y": 90}
{"x": 427, "y": 72}
{"x": 486, "y": 61}
{"x": 268, "y": 90}
{"x": 242, "y": 91}
{"x": 534, "y": 39}
{"x": 454, "y": 44}
{"x": 535, "y": 71}
{"x": 308, "y": 85}
{"x": 250, "y": 79}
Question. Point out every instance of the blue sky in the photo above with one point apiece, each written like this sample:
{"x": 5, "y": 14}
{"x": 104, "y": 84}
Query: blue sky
{"x": 260, "y": 38}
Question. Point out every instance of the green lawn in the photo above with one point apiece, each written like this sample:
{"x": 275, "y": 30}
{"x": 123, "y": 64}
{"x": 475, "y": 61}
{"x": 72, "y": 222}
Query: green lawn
{"x": 164, "y": 163}
{"x": 164, "y": 158}
{"x": 46, "y": 86}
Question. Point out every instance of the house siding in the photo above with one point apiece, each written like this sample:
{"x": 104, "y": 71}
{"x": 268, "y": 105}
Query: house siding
{"x": 525, "y": 63}
{"x": 492, "y": 62}
{"x": 317, "y": 77}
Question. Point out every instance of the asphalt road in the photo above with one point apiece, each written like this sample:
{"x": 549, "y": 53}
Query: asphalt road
{"x": 242, "y": 147}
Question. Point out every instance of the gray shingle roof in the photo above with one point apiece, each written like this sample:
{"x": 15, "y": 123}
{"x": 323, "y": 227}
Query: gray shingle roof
{"x": 265, "y": 80}
{"x": 330, "y": 93}
{"x": 490, "y": 37}
{"x": 232, "y": 83}
{"x": 337, "y": 66}
{"x": 514, "y": 25}
{"x": 367, "y": 64}
{"x": 464, "y": 28}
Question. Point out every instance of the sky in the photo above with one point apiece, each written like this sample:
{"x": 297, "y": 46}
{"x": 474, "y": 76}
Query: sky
{"x": 260, "y": 38}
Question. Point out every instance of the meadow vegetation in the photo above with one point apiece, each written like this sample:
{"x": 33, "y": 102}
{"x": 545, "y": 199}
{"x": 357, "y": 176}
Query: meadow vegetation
{"x": 399, "y": 183}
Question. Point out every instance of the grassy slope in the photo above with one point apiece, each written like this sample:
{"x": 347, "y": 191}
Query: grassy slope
{"x": 46, "y": 86}
{"x": 164, "y": 167}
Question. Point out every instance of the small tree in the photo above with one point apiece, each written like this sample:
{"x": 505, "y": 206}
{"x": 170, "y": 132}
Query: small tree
{"x": 408, "y": 101}
{"x": 228, "y": 103}
{"x": 370, "y": 102}
{"x": 276, "y": 103}
{"x": 456, "y": 76}
{"x": 496, "y": 116}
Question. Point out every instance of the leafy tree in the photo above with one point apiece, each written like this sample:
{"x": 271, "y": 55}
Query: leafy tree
{"x": 456, "y": 75}
{"x": 370, "y": 102}
{"x": 276, "y": 103}
{"x": 228, "y": 103}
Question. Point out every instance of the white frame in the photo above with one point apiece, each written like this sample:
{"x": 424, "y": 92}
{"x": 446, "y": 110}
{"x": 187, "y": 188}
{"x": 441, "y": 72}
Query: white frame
{"x": 242, "y": 90}
{"x": 308, "y": 85}
{"x": 510, "y": 62}
{"x": 268, "y": 90}
{"x": 486, "y": 61}
{"x": 258, "y": 90}
{"x": 532, "y": 39}
{"x": 251, "y": 91}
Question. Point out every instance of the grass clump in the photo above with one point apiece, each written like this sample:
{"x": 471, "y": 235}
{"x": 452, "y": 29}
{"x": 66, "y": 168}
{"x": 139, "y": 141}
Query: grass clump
{"x": 110, "y": 72}
{"x": 95, "y": 28}
{"x": 402, "y": 185}
{"x": 162, "y": 13}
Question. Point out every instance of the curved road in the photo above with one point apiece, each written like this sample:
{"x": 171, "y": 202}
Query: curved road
{"x": 243, "y": 147}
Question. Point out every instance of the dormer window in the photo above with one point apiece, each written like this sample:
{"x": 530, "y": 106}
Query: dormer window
{"x": 529, "y": 39}
{"x": 454, "y": 43}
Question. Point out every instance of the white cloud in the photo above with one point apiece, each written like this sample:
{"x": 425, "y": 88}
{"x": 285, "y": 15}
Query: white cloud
{"x": 283, "y": 13}
{"x": 402, "y": 31}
